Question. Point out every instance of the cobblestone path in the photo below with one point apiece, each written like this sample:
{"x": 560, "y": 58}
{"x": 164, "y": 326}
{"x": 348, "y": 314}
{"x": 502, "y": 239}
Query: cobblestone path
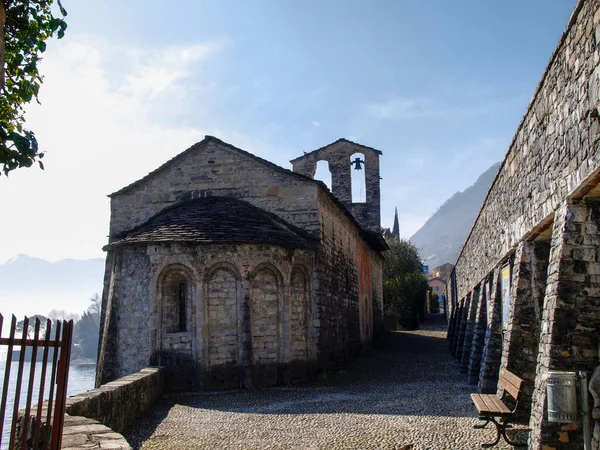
{"x": 409, "y": 392}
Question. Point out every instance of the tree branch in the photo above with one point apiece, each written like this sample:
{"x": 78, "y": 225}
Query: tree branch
{"x": 2, "y": 23}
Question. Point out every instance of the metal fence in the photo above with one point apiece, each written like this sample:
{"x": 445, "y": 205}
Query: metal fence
{"x": 39, "y": 424}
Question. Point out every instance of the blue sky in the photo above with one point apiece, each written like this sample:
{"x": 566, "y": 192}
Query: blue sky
{"x": 438, "y": 86}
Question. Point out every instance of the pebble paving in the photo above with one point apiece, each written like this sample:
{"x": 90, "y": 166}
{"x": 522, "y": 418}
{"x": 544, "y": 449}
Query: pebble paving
{"x": 407, "y": 395}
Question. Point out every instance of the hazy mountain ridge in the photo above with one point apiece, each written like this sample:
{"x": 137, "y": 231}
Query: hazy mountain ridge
{"x": 35, "y": 286}
{"x": 441, "y": 238}
{"x": 29, "y": 273}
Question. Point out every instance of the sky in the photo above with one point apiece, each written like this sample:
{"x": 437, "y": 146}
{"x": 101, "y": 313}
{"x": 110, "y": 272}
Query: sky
{"x": 439, "y": 87}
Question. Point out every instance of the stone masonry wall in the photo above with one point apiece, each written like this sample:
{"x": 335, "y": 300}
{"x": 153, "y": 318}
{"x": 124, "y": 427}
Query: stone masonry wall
{"x": 549, "y": 177}
{"x": 554, "y": 149}
{"x": 521, "y": 339}
{"x": 219, "y": 348}
{"x": 120, "y": 403}
{"x": 570, "y": 331}
{"x": 470, "y": 330}
{"x": 213, "y": 168}
{"x": 479, "y": 330}
{"x": 368, "y": 214}
{"x": 339, "y": 307}
{"x": 492, "y": 347}
{"x": 265, "y": 313}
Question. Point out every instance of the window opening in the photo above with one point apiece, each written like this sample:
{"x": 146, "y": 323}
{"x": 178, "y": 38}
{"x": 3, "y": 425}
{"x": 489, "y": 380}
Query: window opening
{"x": 182, "y": 318}
{"x": 323, "y": 173}
{"x": 357, "y": 175}
{"x": 175, "y": 293}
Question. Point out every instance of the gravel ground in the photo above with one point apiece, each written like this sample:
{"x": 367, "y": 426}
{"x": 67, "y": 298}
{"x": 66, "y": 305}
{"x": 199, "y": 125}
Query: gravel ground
{"x": 409, "y": 392}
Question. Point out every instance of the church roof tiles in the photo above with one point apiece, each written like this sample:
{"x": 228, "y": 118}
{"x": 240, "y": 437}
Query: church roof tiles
{"x": 216, "y": 220}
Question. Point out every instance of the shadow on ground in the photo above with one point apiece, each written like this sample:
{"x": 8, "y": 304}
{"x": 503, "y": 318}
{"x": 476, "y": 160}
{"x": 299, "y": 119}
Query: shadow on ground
{"x": 411, "y": 375}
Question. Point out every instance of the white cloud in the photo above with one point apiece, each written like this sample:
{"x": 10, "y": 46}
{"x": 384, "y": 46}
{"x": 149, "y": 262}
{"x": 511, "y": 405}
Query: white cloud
{"x": 163, "y": 70}
{"x": 106, "y": 120}
{"x": 316, "y": 124}
{"x": 404, "y": 108}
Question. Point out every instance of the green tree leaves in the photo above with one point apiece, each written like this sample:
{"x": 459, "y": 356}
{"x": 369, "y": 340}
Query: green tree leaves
{"x": 25, "y": 25}
{"x": 87, "y": 330}
{"x": 404, "y": 285}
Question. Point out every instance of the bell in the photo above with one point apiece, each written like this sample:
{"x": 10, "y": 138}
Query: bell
{"x": 357, "y": 163}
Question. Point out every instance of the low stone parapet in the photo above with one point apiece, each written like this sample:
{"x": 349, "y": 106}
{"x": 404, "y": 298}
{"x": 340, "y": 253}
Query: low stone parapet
{"x": 96, "y": 418}
{"x": 84, "y": 433}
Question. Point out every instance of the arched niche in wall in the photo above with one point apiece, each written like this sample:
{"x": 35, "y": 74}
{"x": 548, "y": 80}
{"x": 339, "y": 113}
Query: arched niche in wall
{"x": 265, "y": 322}
{"x": 175, "y": 295}
{"x": 357, "y": 176}
{"x": 299, "y": 314}
{"x": 322, "y": 173}
{"x": 222, "y": 335}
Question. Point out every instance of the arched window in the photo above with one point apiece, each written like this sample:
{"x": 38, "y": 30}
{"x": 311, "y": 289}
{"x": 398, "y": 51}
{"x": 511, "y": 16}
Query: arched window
{"x": 176, "y": 297}
{"x": 357, "y": 174}
{"x": 323, "y": 173}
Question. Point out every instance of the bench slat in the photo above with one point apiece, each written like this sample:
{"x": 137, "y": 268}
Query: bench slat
{"x": 489, "y": 404}
{"x": 510, "y": 383}
{"x": 502, "y": 408}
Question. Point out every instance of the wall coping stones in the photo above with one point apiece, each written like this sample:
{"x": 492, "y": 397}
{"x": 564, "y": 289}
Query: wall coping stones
{"x": 530, "y": 106}
{"x": 95, "y": 418}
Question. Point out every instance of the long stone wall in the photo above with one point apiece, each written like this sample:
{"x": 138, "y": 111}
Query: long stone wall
{"x": 552, "y": 152}
{"x": 533, "y": 253}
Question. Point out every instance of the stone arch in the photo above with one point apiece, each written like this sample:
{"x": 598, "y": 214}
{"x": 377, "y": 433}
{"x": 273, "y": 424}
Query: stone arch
{"x": 299, "y": 314}
{"x": 358, "y": 177}
{"x": 175, "y": 294}
{"x": 265, "y": 301}
{"x": 222, "y": 334}
{"x": 174, "y": 301}
{"x": 322, "y": 172}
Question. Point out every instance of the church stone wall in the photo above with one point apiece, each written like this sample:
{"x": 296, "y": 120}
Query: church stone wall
{"x": 541, "y": 218}
{"x": 217, "y": 170}
{"x": 245, "y": 323}
{"x": 348, "y": 308}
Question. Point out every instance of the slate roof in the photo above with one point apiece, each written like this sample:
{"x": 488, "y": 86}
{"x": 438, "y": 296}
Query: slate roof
{"x": 216, "y": 220}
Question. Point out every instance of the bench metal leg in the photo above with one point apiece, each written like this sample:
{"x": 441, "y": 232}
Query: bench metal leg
{"x": 500, "y": 432}
{"x": 506, "y": 425}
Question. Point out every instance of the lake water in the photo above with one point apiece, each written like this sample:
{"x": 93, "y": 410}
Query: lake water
{"x": 81, "y": 379}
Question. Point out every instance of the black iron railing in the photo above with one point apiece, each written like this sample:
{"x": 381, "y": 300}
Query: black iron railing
{"x": 39, "y": 424}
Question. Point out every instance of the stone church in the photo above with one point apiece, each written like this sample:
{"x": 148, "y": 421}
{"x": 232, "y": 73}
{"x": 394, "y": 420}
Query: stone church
{"x": 231, "y": 271}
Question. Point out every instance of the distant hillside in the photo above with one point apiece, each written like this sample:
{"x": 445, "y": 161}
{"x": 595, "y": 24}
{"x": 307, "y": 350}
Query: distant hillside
{"x": 441, "y": 238}
{"x": 35, "y": 286}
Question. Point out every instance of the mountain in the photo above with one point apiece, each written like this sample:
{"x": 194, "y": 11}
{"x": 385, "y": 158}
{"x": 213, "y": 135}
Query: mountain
{"x": 35, "y": 286}
{"x": 441, "y": 238}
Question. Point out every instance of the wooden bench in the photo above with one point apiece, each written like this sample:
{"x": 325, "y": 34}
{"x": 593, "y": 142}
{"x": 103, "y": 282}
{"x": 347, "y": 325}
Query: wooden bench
{"x": 492, "y": 408}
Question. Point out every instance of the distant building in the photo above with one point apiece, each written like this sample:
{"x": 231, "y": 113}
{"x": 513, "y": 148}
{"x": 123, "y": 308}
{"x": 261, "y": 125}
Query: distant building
{"x": 443, "y": 272}
{"x": 437, "y": 285}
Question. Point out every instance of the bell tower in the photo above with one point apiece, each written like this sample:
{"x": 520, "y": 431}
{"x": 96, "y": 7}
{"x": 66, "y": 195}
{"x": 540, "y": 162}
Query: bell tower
{"x": 344, "y": 157}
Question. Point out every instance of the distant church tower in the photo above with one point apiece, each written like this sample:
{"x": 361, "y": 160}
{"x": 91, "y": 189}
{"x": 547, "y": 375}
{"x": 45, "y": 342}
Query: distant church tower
{"x": 396, "y": 228}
